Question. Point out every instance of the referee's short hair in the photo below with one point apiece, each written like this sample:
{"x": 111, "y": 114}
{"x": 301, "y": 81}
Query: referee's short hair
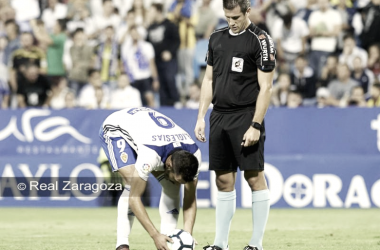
{"x": 231, "y": 4}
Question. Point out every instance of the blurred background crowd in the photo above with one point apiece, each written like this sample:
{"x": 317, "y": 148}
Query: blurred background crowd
{"x": 114, "y": 54}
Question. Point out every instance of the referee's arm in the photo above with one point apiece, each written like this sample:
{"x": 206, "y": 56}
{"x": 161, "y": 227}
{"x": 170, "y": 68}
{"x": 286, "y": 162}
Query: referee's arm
{"x": 265, "y": 80}
{"x": 205, "y": 101}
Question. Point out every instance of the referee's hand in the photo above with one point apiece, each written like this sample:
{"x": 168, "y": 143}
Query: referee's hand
{"x": 200, "y": 130}
{"x": 251, "y": 137}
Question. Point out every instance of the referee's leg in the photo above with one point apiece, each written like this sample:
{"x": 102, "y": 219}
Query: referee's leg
{"x": 260, "y": 205}
{"x": 225, "y": 206}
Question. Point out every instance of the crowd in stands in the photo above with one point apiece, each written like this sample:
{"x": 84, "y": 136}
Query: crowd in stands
{"x": 115, "y": 54}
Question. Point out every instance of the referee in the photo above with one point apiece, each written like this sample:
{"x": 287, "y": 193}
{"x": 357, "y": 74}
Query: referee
{"x": 238, "y": 81}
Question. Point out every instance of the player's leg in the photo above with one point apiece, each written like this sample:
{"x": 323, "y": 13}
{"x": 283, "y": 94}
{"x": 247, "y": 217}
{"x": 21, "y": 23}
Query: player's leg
{"x": 223, "y": 163}
{"x": 125, "y": 216}
{"x": 122, "y": 158}
{"x": 169, "y": 203}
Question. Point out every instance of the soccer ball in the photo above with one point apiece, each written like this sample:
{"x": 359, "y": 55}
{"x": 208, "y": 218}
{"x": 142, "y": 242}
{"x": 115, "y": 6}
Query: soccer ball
{"x": 182, "y": 240}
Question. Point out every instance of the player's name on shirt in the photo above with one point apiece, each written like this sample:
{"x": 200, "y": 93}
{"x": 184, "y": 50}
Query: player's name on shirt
{"x": 171, "y": 138}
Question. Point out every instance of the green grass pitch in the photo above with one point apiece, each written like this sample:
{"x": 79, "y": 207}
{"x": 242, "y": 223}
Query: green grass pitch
{"x": 95, "y": 228}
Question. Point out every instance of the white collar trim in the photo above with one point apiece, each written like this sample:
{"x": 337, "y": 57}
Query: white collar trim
{"x": 233, "y": 34}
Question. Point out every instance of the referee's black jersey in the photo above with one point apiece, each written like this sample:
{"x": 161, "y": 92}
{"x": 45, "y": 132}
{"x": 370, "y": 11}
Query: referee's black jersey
{"x": 235, "y": 59}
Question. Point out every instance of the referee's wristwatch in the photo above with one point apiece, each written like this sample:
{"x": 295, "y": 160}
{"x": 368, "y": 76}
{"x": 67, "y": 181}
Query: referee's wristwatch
{"x": 256, "y": 125}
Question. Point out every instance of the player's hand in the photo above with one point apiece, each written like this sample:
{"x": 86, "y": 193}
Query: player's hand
{"x": 200, "y": 130}
{"x": 251, "y": 137}
{"x": 160, "y": 240}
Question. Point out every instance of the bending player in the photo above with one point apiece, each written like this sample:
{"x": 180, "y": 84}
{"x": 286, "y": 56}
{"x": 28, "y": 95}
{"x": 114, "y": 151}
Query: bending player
{"x": 140, "y": 141}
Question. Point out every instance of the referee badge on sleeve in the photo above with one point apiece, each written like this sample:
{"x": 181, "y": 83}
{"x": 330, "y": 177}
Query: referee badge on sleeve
{"x": 237, "y": 64}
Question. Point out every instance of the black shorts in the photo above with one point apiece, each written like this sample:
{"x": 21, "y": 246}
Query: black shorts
{"x": 226, "y": 135}
{"x": 143, "y": 85}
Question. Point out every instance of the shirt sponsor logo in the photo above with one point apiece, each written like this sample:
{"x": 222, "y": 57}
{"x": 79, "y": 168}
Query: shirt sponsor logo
{"x": 237, "y": 64}
{"x": 124, "y": 157}
{"x": 265, "y": 50}
{"x": 146, "y": 168}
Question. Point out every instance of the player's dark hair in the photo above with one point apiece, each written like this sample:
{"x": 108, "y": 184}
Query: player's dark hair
{"x": 158, "y": 6}
{"x": 231, "y": 4}
{"x": 185, "y": 164}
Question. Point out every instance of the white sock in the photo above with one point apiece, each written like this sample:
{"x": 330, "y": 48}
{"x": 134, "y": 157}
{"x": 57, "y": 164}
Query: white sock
{"x": 224, "y": 211}
{"x": 169, "y": 205}
{"x": 125, "y": 218}
{"x": 260, "y": 212}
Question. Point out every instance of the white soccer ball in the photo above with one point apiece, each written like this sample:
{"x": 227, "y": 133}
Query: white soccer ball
{"x": 182, "y": 240}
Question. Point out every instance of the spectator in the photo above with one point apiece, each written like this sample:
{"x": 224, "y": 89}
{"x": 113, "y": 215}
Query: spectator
{"x": 351, "y": 51}
{"x": 70, "y": 100}
{"x": 340, "y": 88}
{"x": 33, "y": 88}
{"x": 26, "y": 10}
{"x": 89, "y": 98}
{"x": 7, "y": 13}
{"x": 125, "y": 96}
{"x": 108, "y": 18}
{"x": 26, "y": 54}
{"x": 4, "y": 88}
{"x": 59, "y": 92}
{"x": 130, "y": 20}
{"x": 325, "y": 27}
{"x": 257, "y": 18}
{"x": 140, "y": 13}
{"x": 281, "y": 90}
{"x": 290, "y": 35}
{"x": 207, "y": 21}
{"x": 194, "y": 96}
{"x": 363, "y": 76}
{"x": 3, "y": 45}
{"x": 357, "y": 98}
{"x": 346, "y": 13}
{"x": 303, "y": 78}
{"x": 305, "y": 13}
{"x": 374, "y": 60}
{"x": 81, "y": 57}
{"x": 323, "y": 97}
{"x": 79, "y": 17}
{"x": 101, "y": 99}
{"x": 294, "y": 99}
{"x": 52, "y": 13}
{"x": 55, "y": 42}
{"x": 13, "y": 35}
{"x": 329, "y": 71}
{"x": 275, "y": 9}
{"x": 164, "y": 37}
{"x": 181, "y": 15}
{"x": 371, "y": 24}
{"x": 139, "y": 63}
{"x": 75, "y": 9}
{"x": 374, "y": 100}
{"x": 107, "y": 56}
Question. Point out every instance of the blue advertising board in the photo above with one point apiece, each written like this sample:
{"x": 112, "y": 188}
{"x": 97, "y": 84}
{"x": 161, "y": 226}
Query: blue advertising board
{"x": 314, "y": 157}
